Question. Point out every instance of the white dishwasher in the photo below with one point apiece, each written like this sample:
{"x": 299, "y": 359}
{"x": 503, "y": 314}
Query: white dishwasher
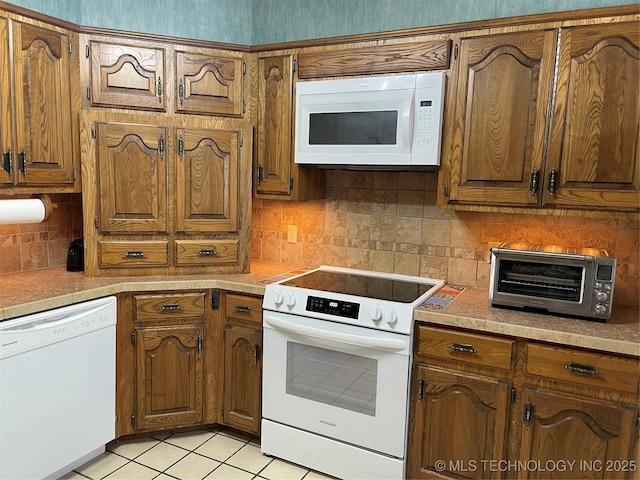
{"x": 57, "y": 389}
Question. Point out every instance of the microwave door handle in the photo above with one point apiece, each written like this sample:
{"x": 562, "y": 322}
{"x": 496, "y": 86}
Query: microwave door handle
{"x": 357, "y": 340}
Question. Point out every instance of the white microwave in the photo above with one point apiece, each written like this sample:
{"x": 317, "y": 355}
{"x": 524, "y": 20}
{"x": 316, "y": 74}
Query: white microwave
{"x": 378, "y": 123}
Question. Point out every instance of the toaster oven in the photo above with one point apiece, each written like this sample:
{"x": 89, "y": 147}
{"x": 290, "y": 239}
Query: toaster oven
{"x": 561, "y": 280}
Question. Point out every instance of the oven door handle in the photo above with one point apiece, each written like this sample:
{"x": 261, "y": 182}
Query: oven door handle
{"x": 357, "y": 340}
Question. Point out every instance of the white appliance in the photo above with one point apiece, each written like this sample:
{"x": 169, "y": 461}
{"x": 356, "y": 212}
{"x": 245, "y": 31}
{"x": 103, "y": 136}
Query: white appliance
{"x": 57, "y": 389}
{"x": 336, "y": 365}
{"x": 377, "y": 123}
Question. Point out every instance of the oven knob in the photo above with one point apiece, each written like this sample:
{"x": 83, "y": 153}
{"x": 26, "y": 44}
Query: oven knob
{"x": 392, "y": 318}
{"x": 601, "y": 309}
{"x": 601, "y": 296}
{"x": 278, "y": 298}
{"x": 291, "y": 300}
{"x": 376, "y": 314}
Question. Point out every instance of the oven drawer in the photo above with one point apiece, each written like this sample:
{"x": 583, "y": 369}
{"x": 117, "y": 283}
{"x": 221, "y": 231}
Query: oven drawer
{"x": 169, "y": 306}
{"x": 592, "y": 369}
{"x": 474, "y": 348}
{"x": 243, "y": 307}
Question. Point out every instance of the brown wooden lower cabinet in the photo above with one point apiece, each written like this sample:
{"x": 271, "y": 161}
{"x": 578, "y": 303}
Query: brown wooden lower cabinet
{"x": 553, "y": 412}
{"x": 459, "y": 420}
{"x": 167, "y": 366}
{"x": 169, "y": 384}
{"x": 566, "y": 436}
{"x": 242, "y": 362}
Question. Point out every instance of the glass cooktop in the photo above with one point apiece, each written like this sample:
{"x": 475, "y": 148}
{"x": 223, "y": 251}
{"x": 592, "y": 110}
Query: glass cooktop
{"x": 389, "y": 289}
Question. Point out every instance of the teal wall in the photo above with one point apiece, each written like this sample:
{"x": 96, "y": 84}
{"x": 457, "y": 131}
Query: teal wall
{"x": 256, "y": 22}
{"x": 282, "y": 20}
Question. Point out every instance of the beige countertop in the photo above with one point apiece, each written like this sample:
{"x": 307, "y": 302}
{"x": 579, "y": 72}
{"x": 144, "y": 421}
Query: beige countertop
{"x": 38, "y": 290}
{"x": 471, "y": 309}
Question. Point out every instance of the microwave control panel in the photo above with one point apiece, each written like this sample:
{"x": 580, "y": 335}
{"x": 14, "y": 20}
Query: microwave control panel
{"x": 428, "y": 109}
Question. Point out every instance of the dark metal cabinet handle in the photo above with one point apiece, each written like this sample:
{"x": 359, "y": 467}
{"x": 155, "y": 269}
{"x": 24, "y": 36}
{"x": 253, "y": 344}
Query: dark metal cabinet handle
{"x": 159, "y": 90}
{"x": 553, "y": 181}
{"x": 462, "y": 348}
{"x": 242, "y": 309}
{"x": 208, "y": 253}
{"x": 134, "y": 254}
{"x": 583, "y": 369}
{"x": 256, "y": 353}
{"x": 7, "y": 162}
{"x": 22, "y": 161}
{"x": 171, "y": 307}
{"x": 181, "y": 92}
{"x": 535, "y": 180}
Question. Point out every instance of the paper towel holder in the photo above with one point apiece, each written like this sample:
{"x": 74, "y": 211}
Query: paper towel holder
{"x": 36, "y": 213}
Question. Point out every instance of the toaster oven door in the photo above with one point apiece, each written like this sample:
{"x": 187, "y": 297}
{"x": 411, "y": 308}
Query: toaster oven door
{"x": 540, "y": 279}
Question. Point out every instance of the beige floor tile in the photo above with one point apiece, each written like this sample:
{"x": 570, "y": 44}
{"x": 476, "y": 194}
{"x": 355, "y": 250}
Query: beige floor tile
{"x": 162, "y": 456}
{"x": 102, "y": 465}
{"x": 192, "y": 467}
{"x": 73, "y": 475}
{"x": 226, "y": 472}
{"x": 190, "y": 440}
{"x": 132, "y": 448}
{"x": 249, "y": 458}
{"x": 133, "y": 471}
{"x": 220, "y": 447}
{"x": 243, "y": 437}
{"x": 281, "y": 470}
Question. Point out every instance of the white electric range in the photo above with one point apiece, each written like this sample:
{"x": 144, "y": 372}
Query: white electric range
{"x": 336, "y": 364}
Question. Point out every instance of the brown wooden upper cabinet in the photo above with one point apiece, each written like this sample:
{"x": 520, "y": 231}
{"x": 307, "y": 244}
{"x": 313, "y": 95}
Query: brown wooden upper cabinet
{"x": 38, "y": 143}
{"x": 276, "y": 175}
{"x": 275, "y": 128}
{"x": 132, "y": 75}
{"x": 504, "y": 86}
{"x": 207, "y": 180}
{"x": 594, "y": 141}
{"x": 208, "y": 84}
{"x": 127, "y": 75}
{"x": 529, "y": 133}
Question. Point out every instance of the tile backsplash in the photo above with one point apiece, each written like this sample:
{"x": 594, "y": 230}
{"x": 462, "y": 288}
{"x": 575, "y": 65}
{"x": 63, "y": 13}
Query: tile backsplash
{"x": 41, "y": 245}
{"x": 388, "y": 221}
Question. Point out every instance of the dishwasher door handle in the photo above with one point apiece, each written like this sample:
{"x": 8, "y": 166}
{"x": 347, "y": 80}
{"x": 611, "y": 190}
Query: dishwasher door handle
{"x": 320, "y": 333}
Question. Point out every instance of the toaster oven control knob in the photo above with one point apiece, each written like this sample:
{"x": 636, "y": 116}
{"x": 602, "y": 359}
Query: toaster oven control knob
{"x": 601, "y": 309}
{"x": 376, "y": 314}
{"x": 392, "y": 318}
{"x": 602, "y": 296}
{"x": 291, "y": 300}
{"x": 278, "y": 298}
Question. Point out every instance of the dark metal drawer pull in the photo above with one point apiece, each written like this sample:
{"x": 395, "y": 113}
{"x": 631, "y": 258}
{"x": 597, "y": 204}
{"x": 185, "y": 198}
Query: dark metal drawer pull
{"x": 462, "y": 348}
{"x": 134, "y": 254}
{"x": 243, "y": 309}
{"x": 579, "y": 368}
{"x": 171, "y": 307}
{"x": 208, "y": 253}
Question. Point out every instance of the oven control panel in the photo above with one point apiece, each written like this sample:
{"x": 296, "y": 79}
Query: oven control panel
{"x": 333, "y": 307}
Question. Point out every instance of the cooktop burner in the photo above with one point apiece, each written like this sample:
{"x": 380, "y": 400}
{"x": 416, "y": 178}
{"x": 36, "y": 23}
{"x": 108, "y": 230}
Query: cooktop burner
{"x": 395, "y": 290}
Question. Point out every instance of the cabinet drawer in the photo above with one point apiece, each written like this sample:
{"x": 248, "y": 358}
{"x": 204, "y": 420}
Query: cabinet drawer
{"x": 466, "y": 347}
{"x": 206, "y": 252}
{"x": 133, "y": 254}
{"x": 593, "y": 369}
{"x": 162, "y": 307}
{"x": 243, "y": 307}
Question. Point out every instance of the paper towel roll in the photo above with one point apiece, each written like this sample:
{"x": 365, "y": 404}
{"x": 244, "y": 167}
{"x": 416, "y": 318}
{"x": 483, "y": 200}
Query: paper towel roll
{"x": 24, "y": 210}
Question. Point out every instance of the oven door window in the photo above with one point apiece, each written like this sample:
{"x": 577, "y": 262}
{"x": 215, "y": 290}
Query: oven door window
{"x": 333, "y": 378}
{"x": 544, "y": 280}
